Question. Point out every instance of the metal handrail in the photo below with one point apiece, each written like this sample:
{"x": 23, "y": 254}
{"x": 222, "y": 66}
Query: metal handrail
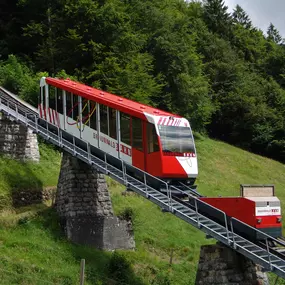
{"x": 33, "y": 123}
{"x": 212, "y": 207}
{"x": 260, "y": 232}
{"x": 145, "y": 174}
{"x": 161, "y": 181}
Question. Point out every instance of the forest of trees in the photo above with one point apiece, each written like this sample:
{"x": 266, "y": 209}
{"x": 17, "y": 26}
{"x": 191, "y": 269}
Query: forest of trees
{"x": 192, "y": 58}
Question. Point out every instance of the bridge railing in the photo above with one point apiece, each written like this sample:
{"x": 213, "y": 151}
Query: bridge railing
{"x": 31, "y": 119}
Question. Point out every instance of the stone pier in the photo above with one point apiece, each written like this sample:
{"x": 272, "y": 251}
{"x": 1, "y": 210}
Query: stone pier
{"x": 17, "y": 141}
{"x": 85, "y": 209}
{"x": 220, "y": 265}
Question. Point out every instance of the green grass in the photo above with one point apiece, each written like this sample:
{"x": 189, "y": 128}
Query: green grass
{"x": 17, "y": 176}
{"x": 33, "y": 249}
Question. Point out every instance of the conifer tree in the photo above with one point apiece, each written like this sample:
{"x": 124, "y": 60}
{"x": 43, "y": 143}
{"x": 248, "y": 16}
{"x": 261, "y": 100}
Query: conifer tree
{"x": 241, "y": 17}
{"x": 273, "y": 34}
{"x": 217, "y": 17}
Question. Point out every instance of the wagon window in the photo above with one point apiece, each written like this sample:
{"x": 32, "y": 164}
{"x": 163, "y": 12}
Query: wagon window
{"x": 52, "y": 97}
{"x": 152, "y": 141}
{"x": 112, "y": 123}
{"x": 92, "y": 115}
{"x": 59, "y": 101}
{"x": 103, "y": 119}
{"x": 75, "y": 107}
{"x": 85, "y": 112}
{"x": 125, "y": 128}
{"x": 68, "y": 105}
{"x": 137, "y": 141}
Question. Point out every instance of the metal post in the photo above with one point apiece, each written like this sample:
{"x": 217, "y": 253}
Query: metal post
{"x": 26, "y": 116}
{"x": 123, "y": 169}
{"x": 60, "y": 137}
{"x": 98, "y": 123}
{"x": 64, "y": 109}
{"x": 170, "y": 199}
{"x": 36, "y": 122}
{"x": 269, "y": 259}
{"x": 232, "y": 229}
{"x": 47, "y": 103}
{"x": 80, "y": 115}
{"x": 226, "y": 225}
{"x": 126, "y": 176}
{"x": 118, "y": 126}
{"x": 73, "y": 140}
{"x": 167, "y": 191}
{"x": 88, "y": 152}
{"x": 144, "y": 177}
{"x": 105, "y": 158}
{"x": 82, "y": 270}
{"x": 197, "y": 214}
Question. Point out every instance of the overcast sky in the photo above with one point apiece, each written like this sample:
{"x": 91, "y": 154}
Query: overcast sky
{"x": 262, "y": 12}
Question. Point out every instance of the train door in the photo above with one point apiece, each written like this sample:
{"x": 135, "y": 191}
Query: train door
{"x": 152, "y": 153}
{"x": 138, "y": 154}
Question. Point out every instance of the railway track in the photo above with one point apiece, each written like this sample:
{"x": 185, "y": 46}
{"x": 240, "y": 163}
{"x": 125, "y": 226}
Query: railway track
{"x": 13, "y": 101}
{"x": 271, "y": 256}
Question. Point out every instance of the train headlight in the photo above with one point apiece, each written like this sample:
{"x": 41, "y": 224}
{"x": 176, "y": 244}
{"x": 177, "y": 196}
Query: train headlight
{"x": 259, "y": 220}
{"x": 279, "y": 220}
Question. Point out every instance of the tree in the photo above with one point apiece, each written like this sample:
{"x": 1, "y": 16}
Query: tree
{"x": 273, "y": 34}
{"x": 217, "y": 17}
{"x": 20, "y": 79}
{"x": 241, "y": 17}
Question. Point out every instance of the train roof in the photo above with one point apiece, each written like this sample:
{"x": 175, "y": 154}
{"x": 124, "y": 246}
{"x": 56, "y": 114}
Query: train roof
{"x": 120, "y": 103}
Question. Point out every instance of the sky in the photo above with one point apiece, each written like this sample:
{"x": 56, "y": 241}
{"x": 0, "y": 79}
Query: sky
{"x": 262, "y": 12}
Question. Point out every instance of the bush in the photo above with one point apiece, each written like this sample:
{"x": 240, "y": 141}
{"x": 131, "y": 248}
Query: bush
{"x": 119, "y": 268}
{"x": 19, "y": 79}
{"x": 127, "y": 214}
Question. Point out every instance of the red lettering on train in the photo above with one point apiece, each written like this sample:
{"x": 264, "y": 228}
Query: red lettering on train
{"x": 124, "y": 149}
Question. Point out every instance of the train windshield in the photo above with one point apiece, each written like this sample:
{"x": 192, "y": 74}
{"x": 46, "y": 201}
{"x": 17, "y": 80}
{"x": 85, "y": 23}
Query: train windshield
{"x": 176, "y": 139}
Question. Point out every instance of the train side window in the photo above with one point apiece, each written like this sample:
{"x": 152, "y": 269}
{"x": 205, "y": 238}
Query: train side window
{"x": 75, "y": 106}
{"x": 92, "y": 112}
{"x": 52, "y": 97}
{"x": 152, "y": 140}
{"x": 112, "y": 123}
{"x": 85, "y": 112}
{"x": 103, "y": 119}
{"x": 59, "y": 101}
{"x": 125, "y": 128}
{"x": 68, "y": 105}
{"x": 137, "y": 141}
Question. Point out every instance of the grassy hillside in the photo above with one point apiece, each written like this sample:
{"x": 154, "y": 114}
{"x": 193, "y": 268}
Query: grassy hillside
{"x": 34, "y": 251}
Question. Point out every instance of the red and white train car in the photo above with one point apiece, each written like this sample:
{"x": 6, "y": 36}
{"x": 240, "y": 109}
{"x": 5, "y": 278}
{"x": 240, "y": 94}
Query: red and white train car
{"x": 150, "y": 139}
{"x": 257, "y": 207}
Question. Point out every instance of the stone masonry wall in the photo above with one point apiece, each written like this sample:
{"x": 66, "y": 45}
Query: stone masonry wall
{"x": 84, "y": 206}
{"x": 17, "y": 141}
{"x": 221, "y": 265}
{"x": 81, "y": 190}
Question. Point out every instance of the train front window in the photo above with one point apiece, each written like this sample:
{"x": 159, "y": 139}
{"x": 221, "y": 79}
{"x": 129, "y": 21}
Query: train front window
{"x": 176, "y": 139}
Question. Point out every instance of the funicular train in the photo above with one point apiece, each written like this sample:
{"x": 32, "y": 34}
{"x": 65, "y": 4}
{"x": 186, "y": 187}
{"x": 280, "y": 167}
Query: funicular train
{"x": 152, "y": 140}
{"x": 149, "y": 139}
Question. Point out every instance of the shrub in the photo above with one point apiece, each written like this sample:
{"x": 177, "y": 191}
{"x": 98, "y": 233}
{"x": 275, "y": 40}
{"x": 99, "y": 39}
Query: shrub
{"x": 119, "y": 268}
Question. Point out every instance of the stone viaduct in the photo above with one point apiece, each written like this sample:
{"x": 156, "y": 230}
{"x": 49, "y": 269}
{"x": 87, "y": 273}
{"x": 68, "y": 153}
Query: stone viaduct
{"x": 85, "y": 210}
